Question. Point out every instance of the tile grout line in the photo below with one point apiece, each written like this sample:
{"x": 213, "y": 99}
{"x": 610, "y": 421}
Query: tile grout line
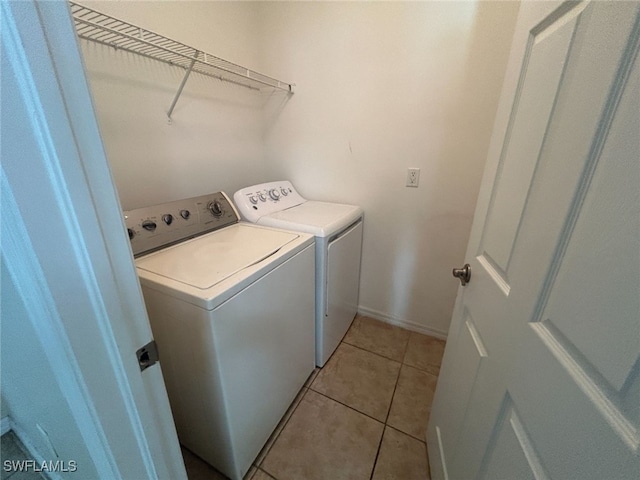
{"x": 402, "y": 362}
{"x": 348, "y": 406}
{"x": 279, "y": 431}
{"x": 415, "y": 366}
{"x": 395, "y": 387}
{"x": 370, "y": 351}
{"x": 384, "y": 425}
{"x": 375, "y": 461}
{"x": 406, "y": 347}
{"x": 366, "y": 414}
{"x": 405, "y": 433}
{"x": 315, "y": 374}
{"x": 419, "y": 369}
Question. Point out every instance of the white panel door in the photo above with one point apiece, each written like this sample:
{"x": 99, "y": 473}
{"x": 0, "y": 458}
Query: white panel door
{"x": 541, "y": 374}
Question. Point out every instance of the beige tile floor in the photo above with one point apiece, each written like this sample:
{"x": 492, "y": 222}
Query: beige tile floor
{"x": 362, "y": 416}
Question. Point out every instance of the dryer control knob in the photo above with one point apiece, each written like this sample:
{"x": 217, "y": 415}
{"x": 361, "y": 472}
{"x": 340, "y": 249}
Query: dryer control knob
{"x": 262, "y": 197}
{"x": 167, "y": 218}
{"x": 131, "y": 233}
{"x": 215, "y": 208}
{"x": 273, "y": 193}
{"x": 253, "y": 199}
{"x": 284, "y": 191}
{"x": 185, "y": 214}
{"x": 149, "y": 225}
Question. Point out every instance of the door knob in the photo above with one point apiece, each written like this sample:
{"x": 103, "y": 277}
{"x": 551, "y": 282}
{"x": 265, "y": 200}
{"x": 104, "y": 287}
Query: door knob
{"x": 464, "y": 274}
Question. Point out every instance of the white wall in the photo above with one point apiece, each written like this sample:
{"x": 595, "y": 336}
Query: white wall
{"x": 215, "y": 139}
{"x": 381, "y": 86}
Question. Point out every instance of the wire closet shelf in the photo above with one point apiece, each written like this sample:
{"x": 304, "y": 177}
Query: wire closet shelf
{"x": 97, "y": 27}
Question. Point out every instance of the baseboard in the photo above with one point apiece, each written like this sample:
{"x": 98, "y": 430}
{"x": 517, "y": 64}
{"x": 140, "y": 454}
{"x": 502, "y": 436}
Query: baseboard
{"x": 409, "y": 325}
{"x": 5, "y": 425}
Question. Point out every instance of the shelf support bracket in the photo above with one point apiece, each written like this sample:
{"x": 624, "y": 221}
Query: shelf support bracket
{"x": 184, "y": 80}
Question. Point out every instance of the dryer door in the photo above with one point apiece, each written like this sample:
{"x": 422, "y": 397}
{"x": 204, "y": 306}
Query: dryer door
{"x": 343, "y": 282}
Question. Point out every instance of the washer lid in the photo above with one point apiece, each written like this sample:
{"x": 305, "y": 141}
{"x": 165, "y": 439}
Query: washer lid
{"x": 318, "y": 218}
{"x": 207, "y": 260}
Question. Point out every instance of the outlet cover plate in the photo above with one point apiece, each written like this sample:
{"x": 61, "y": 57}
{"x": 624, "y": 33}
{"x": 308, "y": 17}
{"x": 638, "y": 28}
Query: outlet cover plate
{"x": 413, "y": 177}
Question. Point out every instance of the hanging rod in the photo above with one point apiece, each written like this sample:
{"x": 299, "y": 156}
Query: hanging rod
{"x": 97, "y": 27}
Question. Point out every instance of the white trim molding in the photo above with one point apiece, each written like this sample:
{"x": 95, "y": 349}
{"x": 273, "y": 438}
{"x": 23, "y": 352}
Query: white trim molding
{"x": 399, "y": 322}
{"x": 87, "y": 310}
{"x": 5, "y": 425}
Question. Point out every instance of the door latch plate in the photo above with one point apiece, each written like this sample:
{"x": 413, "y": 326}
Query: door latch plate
{"x": 147, "y": 355}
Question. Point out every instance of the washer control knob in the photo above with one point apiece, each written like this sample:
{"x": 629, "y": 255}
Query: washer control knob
{"x": 284, "y": 191}
{"x": 215, "y": 208}
{"x": 273, "y": 193}
{"x": 167, "y": 218}
{"x": 185, "y": 214}
{"x": 131, "y": 233}
{"x": 262, "y": 197}
{"x": 253, "y": 199}
{"x": 149, "y": 225}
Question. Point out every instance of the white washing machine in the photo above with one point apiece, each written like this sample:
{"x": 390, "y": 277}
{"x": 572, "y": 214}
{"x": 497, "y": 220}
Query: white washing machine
{"x": 231, "y": 307}
{"x": 338, "y": 232}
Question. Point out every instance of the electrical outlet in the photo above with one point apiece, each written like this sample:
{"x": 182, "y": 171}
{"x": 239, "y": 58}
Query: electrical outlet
{"x": 413, "y": 177}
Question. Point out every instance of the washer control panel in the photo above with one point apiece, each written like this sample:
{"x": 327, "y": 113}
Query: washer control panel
{"x": 266, "y": 198}
{"x": 157, "y": 226}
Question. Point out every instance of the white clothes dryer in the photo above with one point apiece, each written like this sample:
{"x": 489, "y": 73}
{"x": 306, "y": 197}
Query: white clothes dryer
{"x": 338, "y": 232}
{"x": 231, "y": 307}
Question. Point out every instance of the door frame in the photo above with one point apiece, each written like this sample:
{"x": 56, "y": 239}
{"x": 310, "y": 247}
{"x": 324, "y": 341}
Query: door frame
{"x": 41, "y": 47}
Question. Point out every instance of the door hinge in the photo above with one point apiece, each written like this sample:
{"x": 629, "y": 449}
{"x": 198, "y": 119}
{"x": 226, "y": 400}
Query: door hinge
{"x": 147, "y": 355}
